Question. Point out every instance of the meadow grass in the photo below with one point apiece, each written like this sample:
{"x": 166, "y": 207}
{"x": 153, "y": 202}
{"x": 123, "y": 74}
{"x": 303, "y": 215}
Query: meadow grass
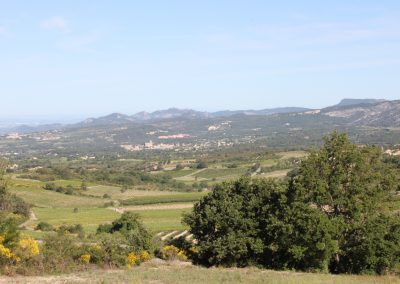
{"x": 221, "y": 173}
{"x": 91, "y": 217}
{"x": 167, "y": 198}
{"x": 179, "y": 173}
{"x": 33, "y": 193}
{"x": 88, "y": 217}
{"x": 292, "y": 154}
{"x": 163, "y": 220}
{"x": 116, "y": 193}
{"x": 179, "y": 273}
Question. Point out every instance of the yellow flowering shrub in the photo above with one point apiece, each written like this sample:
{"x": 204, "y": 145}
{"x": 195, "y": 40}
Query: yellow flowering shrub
{"x": 6, "y": 254}
{"x": 182, "y": 255}
{"x": 132, "y": 259}
{"x": 144, "y": 256}
{"x": 28, "y": 248}
{"x": 172, "y": 252}
{"x": 85, "y": 258}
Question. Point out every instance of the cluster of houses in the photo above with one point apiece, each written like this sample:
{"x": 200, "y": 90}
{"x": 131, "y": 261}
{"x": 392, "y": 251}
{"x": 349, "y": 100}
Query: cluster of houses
{"x": 150, "y": 146}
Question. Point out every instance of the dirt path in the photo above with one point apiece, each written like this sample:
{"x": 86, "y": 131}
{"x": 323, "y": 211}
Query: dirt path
{"x": 27, "y": 224}
{"x": 192, "y": 175}
{"x": 153, "y": 207}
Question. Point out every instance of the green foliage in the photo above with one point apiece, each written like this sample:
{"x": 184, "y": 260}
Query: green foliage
{"x": 201, "y": 165}
{"x": 59, "y": 252}
{"x": 179, "y": 167}
{"x": 9, "y": 230}
{"x": 44, "y": 226}
{"x": 251, "y": 223}
{"x": 349, "y": 184}
{"x": 330, "y": 216}
{"x": 131, "y": 228}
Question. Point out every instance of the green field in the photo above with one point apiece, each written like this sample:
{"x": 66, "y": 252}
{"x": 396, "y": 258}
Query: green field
{"x": 222, "y": 173}
{"x": 173, "y": 197}
{"x": 160, "y": 210}
{"x": 91, "y": 217}
{"x": 163, "y": 220}
{"x": 88, "y": 217}
{"x": 33, "y": 193}
{"x": 116, "y": 193}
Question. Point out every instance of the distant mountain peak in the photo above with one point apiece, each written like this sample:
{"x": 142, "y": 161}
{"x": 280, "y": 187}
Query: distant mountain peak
{"x": 350, "y": 102}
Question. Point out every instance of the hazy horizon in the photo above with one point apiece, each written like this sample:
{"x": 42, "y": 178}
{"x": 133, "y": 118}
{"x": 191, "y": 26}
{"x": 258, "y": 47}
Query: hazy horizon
{"x": 74, "y": 118}
{"x": 73, "y": 59}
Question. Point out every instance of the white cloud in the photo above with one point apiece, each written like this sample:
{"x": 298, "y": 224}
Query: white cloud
{"x": 56, "y": 23}
{"x": 80, "y": 42}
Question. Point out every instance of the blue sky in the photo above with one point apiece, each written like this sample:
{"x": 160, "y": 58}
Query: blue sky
{"x": 85, "y": 58}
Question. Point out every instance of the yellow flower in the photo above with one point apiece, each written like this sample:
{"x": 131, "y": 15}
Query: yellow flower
{"x": 132, "y": 259}
{"x": 144, "y": 256}
{"x": 1, "y": 239}
{"x": 85, "y": 258}
{"x": 182, "y": 256}
{"x": 96, "y": 247}
{"x": 28, "y": 247}
{"x": 5, "y": 252}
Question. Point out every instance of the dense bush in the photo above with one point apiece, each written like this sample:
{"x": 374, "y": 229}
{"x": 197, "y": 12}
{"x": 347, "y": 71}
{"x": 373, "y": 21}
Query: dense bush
{"x": 131, "y": 228}
{"x": 44, "y": 226}
{"x": 329, "y": 216}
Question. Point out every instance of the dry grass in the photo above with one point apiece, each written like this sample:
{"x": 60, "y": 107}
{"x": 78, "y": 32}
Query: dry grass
{"x": 155, "y": 272}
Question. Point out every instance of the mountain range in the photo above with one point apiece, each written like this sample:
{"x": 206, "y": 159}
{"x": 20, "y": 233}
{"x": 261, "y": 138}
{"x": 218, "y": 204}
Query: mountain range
{"x": 361, "y": 112}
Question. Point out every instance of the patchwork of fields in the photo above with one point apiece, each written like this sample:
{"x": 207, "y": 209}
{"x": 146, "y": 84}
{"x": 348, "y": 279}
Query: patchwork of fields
{"x": 160, "y": 210}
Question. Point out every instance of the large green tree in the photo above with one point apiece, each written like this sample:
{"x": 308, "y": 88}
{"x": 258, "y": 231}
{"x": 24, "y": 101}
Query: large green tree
{"x": 329, "y": 216}
{"x": 249, "y": 222}
{"x": 350, "y": 185}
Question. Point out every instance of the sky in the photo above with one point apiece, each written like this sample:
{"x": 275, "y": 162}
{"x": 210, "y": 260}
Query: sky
{"x": 74, "y": 59}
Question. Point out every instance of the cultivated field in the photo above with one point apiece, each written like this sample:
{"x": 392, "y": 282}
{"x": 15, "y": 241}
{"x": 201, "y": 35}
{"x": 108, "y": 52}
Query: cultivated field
{"x": 161, "y": 210}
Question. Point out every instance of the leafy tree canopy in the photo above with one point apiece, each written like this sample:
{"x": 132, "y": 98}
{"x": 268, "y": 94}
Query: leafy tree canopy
{"x": 328, "y": 217}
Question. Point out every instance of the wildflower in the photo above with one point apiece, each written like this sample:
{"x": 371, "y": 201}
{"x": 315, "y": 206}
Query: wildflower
{"x": 5, "y": 252}
{"x": 144, "y": 256}
{"x": 28, "y": 247}
{"x": 182, "y": 256}
{"x": 132, "y": 259}
{"x": 85, "y": 258}
{"x": 172, "y": 252}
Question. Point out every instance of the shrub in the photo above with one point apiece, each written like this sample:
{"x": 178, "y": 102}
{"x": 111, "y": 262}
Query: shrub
{"x": 44, "y": 226}
{"x": 144, "y": 256}
{"x": 201, "y": 165}
{"x": 59, "y": 253}
{"x": 132, "y": 259}
{"x": 171, "y": 252}
{"x": 131, "y": 228}
{"x": 179, "y": 167}
{"x": 114, "y": 249}
{"x": 28, "y": 248}
{"x": 85, "y": 258}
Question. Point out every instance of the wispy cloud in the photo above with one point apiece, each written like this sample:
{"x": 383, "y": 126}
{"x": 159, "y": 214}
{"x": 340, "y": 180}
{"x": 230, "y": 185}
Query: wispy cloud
{"x": 55, "y": 23}
{"x": 79, "y": 42}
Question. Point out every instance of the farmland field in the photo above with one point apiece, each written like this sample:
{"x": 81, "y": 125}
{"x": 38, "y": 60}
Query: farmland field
{"x": 160, "y": 210}
{"x": 91, "y": 217}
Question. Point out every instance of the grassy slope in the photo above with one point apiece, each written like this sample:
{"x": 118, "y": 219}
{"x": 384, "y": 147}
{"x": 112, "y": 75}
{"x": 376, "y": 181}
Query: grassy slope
{"x": 175, "y": 273}
{"x": 33, "y": 193}
{"x": 173, "y": 197}
{"x": 91, "y": 217}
